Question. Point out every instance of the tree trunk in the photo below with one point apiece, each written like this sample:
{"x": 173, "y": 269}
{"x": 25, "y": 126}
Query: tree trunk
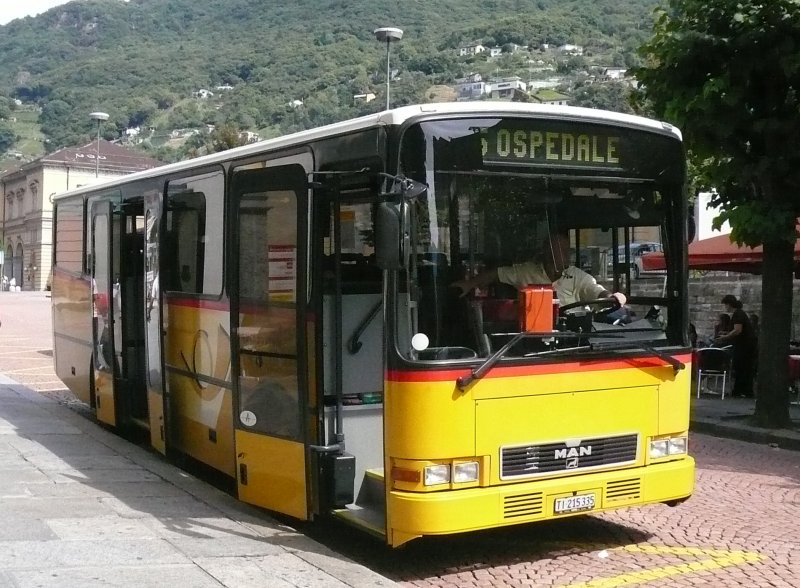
{"x": 772, "y": 402}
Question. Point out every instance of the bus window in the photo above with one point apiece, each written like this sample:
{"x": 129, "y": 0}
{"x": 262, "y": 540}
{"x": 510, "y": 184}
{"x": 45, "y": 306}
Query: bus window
{"x": 69, "y": 236}
{"x": 492, "y": 207}
{"x": 267, "y": 288}
{"x": 194, "y": 240}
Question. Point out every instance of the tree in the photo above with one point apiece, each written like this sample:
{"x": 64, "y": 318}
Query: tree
{"x": 612, "y": 95}
{"x": 727, "y": 73}
{"x": 7, "y": 137}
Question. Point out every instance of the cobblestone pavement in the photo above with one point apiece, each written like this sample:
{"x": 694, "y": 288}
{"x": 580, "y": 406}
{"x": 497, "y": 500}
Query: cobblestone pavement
{"x": 739, "y": 529}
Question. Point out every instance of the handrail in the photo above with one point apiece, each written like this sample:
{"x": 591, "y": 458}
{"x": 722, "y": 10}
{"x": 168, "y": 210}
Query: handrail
{"x": 353, "y": 343}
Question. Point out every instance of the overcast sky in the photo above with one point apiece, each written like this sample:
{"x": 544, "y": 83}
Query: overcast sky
{"x": 11, "y": 9}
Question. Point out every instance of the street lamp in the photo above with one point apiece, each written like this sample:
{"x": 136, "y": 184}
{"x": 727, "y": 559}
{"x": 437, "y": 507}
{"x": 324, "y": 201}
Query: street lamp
{"x": 388, "y": 35}
{"x": 99, "y": 117}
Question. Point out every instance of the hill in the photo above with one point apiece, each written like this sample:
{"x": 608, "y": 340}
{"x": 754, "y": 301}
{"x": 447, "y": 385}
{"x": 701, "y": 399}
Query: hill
{"x": 143, "y": 61}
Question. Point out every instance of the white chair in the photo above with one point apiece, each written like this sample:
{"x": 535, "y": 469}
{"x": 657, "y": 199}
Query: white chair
{"x": 713, "y": 363}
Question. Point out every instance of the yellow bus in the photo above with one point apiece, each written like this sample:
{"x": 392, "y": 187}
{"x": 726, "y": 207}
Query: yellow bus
{"x": 284, "y": 316}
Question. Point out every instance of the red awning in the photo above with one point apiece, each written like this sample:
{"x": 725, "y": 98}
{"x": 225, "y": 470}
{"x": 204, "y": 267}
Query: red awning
{"x": 718, "y": 254}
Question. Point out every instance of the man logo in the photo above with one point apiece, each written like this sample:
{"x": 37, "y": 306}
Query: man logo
{"x": 573, "y": 452}
{"x": 572, "y": 463}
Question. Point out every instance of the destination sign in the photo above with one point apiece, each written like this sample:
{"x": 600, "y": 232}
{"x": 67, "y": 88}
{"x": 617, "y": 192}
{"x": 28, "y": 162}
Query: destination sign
{"x": 503, "y": 144}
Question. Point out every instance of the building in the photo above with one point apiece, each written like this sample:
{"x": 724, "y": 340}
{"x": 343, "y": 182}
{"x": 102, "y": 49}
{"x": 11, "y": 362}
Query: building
{"x": 471, "y": 87}
{"x": 203, "y": 94}
{"x": 27, "y": 202}
{"x": 470, "y": 50}
{"x": 570, "y": 49}
{"x": 704, "y": 215}
{"x": 507, "y": 88}
{"x": 550, "y": 96}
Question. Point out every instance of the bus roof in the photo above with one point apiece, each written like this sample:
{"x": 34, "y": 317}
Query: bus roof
{"x": 397, "y": 116}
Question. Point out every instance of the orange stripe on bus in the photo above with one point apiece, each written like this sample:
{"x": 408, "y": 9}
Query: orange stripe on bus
{"x": 534, "y": 370}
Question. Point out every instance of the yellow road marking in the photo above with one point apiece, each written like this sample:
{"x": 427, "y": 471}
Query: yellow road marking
{"x": 713, "y": 559}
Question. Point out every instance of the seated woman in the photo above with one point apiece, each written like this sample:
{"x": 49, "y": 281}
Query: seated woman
{"x": 723, "y": 325}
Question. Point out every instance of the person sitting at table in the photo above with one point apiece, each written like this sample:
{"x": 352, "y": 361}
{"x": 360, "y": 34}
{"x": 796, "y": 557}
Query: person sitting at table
{"x": 723, "y": 324}
{"x": 740, "y": 337}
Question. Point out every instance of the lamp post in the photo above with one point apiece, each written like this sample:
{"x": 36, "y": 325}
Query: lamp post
{"x": 388, "y": 35}
{"x": 99, "y": 117}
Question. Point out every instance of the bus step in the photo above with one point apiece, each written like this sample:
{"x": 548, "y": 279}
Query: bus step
{"x": 367, "y": 519}
{"x": 372, "y": 494}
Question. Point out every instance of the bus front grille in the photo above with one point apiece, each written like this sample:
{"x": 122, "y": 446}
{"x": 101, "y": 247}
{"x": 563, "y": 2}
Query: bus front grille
{"x": 526, "y": 461}
{"x": 624, "y": 489}
{"x": 522, "y": 505}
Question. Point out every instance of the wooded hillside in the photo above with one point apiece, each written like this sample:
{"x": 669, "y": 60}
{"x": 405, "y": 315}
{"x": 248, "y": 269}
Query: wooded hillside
{"x": 142, "y": 60}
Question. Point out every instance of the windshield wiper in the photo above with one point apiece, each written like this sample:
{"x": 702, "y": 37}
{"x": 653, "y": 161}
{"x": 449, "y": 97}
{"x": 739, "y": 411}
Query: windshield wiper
{"x": 677, "y": 365}
{"x": 464, "y": 381}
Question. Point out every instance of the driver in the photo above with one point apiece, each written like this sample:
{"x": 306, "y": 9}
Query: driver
{"x": 570, "y": 284}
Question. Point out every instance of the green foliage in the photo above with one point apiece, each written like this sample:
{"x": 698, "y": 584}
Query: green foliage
{"x": 608, "y": 96}
{"x": 141, "y": 60}
{"x": 7, "y": 137}
{"x": 728, "y": 73}
{"x": 6, "y": 106}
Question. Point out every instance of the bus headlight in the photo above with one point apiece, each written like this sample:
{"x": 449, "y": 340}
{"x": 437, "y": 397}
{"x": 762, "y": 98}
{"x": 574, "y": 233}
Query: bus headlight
{"x": 677, "y": 446}
{"x": 465, "y": 472}
{"x": 659, "y": 448}
{"x": 437, "y": 474}
{"x": 665, "y": 447}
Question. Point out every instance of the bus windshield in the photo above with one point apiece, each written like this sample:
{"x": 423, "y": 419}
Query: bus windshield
{"x": 503, "y": 196}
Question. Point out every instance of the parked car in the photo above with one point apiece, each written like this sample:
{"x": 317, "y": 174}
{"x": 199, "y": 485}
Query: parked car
{"x": 638, "y": 249}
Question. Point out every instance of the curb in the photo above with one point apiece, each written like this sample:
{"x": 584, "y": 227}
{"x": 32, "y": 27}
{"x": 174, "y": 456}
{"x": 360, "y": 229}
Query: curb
{"x": 749, "y": 434}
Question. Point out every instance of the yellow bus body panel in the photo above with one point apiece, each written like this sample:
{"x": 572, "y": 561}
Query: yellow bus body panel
{"x": 430, "y": 420}
{"x": 72, "y": 332}
{"x": 276, "y": 475}
{"x": 155, "y": 409}
{"x": 416, "y": 514}
{"x": 201, "y": 413}
{"x": 104, "y": 397}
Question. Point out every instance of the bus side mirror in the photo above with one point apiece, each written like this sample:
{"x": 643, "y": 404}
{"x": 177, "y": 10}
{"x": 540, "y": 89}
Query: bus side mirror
{"x": 392, "y": 240}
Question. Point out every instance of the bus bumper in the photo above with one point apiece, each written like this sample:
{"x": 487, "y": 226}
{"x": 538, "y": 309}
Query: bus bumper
{"x": 436, "y": 513}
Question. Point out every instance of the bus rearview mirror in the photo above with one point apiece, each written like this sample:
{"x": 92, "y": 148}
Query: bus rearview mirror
{"x": 392, "y": 241}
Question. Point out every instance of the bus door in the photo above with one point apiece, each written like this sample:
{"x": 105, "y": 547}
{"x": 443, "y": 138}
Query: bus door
{"x": 102, "y": 257}
{"x": 268, "y": 301}
{"x": 117, "y": 274}
{"x": 152, "y": 321}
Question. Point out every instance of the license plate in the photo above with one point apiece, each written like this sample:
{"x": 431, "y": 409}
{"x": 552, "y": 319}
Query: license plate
{"x": 574, "y": 503}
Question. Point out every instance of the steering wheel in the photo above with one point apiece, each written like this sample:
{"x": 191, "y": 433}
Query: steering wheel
{"x": 599, "y": 306}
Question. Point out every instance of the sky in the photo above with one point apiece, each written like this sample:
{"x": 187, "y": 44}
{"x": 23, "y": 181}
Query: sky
{"x": 11, "y": 9}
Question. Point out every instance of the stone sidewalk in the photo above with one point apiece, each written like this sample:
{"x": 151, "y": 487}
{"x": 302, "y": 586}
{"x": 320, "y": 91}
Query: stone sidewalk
{"x": 82, "y": 507}
{"x": 731, "y": 417}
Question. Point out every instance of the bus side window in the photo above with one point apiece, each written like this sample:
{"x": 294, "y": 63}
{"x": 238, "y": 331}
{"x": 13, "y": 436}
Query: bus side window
{"x": 194, "y": 239}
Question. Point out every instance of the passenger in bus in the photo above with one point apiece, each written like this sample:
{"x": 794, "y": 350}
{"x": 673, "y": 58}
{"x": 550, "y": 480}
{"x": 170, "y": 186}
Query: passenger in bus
{"x": 570, "y": 284}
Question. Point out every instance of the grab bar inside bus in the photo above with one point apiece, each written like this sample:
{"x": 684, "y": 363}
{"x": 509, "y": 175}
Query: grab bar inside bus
{"x": 353, "y": 343}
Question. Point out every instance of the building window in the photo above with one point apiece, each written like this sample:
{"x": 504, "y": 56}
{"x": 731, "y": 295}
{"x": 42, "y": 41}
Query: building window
{"x": 34, "y": 187}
